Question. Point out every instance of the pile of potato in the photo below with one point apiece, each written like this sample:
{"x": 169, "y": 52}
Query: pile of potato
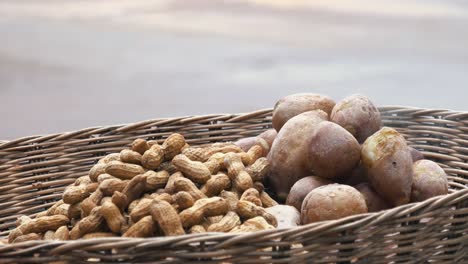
{"x": 323, "y": 160}
{"x": 335, "y": 160}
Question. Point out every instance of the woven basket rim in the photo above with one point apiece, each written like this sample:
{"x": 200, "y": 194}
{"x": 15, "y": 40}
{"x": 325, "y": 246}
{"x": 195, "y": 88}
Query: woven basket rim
{"x": 234, "y": 117}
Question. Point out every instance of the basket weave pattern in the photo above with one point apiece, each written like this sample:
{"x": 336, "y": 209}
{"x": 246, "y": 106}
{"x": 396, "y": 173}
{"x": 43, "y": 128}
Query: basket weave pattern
{"x": 35, "y": 170}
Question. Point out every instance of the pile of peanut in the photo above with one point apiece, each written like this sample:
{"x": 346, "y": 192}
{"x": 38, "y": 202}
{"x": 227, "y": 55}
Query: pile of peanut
{"x": 156, "y": 190}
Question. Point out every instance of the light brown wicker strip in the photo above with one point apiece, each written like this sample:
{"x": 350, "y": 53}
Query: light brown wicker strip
{"x": 34, "y": 171}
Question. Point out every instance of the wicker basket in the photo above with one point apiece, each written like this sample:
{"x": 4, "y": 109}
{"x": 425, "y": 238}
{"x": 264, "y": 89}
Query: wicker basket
{"x": 35, "y": 170}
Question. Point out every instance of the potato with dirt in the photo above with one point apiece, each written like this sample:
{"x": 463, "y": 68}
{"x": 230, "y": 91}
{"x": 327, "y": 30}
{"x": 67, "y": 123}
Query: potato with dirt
{"x": 303, "y": 187}
{"x": 294, "y": 104}
{"x": 389, "y": 165}
{"x": 265, "y": 140}
{"x": 416, "y": 154}
{"x": 429, "y": 180}
{"x": 288, "y": 155}
{"x": 374, "y": 202}
{"x": 286, "y": 216}
{"x": 332, "y": 152}
{"x": 330, "y": 202}
{"x": 357, "y": 175}
{"x": 358, "y": 115}
{"x": 269, "y": 136}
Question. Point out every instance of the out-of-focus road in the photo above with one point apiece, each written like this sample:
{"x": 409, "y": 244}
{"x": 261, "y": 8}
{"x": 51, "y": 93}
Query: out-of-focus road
{"x": 66, "y": 65}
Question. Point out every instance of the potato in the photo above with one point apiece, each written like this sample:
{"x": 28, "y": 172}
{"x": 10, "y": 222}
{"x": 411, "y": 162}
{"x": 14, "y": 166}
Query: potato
{"x": 269, "y": 136}
{"x": 303, "y": 187}
{"x": 294, "y": 104}
{"x": 416, "y": 154}
{"x": 286, "y": 216}
{"x": 330, "y": 202}
{"x": 374, "y": 202}
{"x": 388, "y": 162}
{"x": 265, "y": 140}
{"x": 332, "y": 152}
{"x": 288, "y": 155}
{"x": 429, "y": 180}
{"x": 357, "y": 175}
{"x": 246, "y": 143}
{"x": 358, "y": 115}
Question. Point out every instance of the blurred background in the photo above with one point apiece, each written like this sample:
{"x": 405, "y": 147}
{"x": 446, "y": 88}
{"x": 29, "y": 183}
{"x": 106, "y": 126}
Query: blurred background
{"x": 66, "y": 65}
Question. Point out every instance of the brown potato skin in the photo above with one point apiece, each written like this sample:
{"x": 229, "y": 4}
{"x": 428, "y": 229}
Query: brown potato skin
{"x": 303, "y": 187}
{"x": 357, "y": 175}
{"x": 416, "y": 154}
{"x": 429, "y": 180}
{"x": 374, "y": 202}
{"x": 294, "y": 104}
{"x": 358, "y": 115}
{"x": 286, "y": 216}
{"x": 246, "y": 143}
{"x": 389, "y": 165}
{"x": 330, "y": 202}
{"x": 288, "y": 155}
{"x": 332, "y": 152}
{"x": 269, "y": 136}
